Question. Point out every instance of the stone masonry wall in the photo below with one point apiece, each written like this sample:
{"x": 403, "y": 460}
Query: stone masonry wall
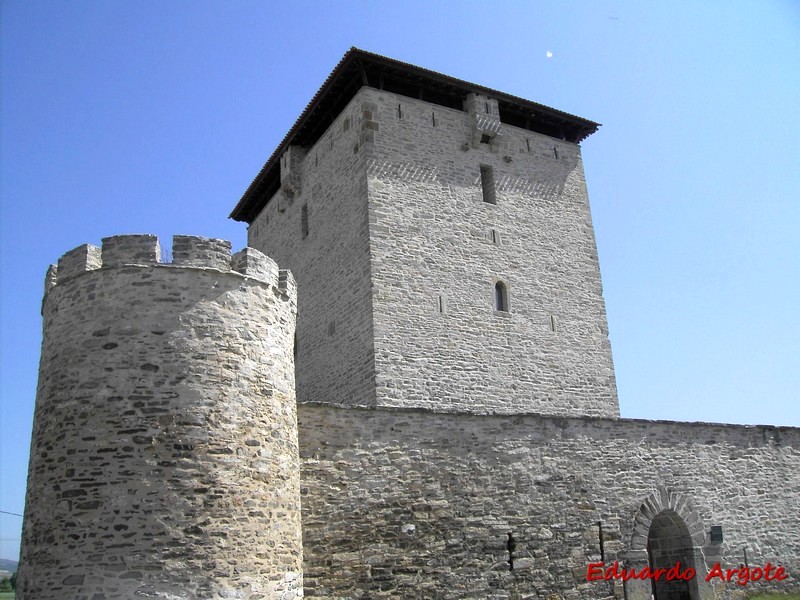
{"x": 164, "y": 459}
{"x": 438, "y": 249}
{"x": 412, "y": 504}
{"x": 324, "y": 191}
{"x": 384, "y": 225}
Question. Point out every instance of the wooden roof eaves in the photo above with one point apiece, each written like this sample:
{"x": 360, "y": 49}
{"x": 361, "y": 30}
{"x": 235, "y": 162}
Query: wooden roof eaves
{"x": 252, "y": 200}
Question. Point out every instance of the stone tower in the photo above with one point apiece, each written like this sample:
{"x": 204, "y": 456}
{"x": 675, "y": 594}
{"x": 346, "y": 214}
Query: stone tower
{"x": 164, "y": 460}
{"x": 441, "y": 236}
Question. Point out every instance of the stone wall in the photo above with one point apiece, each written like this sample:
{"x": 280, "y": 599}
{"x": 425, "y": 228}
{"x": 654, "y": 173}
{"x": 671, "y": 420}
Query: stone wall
{"x": 397, "y": 255}
{"x": 438, "y": 248}
{"x": 164, "y": 459}
{"x": 316, "y": 226}
{"x": 412, "y": 504}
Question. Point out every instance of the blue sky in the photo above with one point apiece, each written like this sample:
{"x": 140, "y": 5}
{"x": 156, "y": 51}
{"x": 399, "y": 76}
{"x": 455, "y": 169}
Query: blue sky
{"x": 134, "y": 117}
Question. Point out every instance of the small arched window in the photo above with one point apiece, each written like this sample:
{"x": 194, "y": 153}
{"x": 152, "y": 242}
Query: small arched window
{"x": 501, "y": 296}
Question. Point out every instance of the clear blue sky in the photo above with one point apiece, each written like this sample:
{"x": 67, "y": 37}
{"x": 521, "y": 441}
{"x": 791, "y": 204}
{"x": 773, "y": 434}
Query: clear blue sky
{"x": 131, "y": 117}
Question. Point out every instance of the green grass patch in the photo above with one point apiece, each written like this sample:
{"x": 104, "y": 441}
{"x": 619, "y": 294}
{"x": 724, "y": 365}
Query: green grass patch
{"x": 6, "y": 595}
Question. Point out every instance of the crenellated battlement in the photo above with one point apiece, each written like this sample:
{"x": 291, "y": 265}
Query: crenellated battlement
{"x": 176, "y": 380}
{"x": 187, "y": 251}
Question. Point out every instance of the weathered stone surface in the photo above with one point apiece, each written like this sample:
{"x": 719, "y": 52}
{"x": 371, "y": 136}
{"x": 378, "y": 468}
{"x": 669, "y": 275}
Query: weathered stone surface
{"x": 134, "y": 249}
{"x": 331, "y": 263}
{"x": 398, "y": 269}
{"x": 256, "y": 264}
{"x": 461, "y": 482}
{"x": 164, "y": 460}
{"x": 75, "y": 262}
{"x": 206, "y": 253}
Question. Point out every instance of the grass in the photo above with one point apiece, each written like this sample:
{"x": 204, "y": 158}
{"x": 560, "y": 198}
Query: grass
{"x": 6, "y": 595}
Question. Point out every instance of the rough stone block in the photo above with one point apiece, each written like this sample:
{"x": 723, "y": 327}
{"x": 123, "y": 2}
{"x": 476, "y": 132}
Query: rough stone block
{"x": 201, "y": 252}
{"x": 50, "y": 278}
{"x": 79, "y": 260}
{"x": 287, "y": 283}
{"x": 255, "y": 264}
{"x": 135, "y": 249}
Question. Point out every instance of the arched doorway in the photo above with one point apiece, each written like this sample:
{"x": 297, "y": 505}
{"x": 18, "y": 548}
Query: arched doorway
{"x": 667, "y": 530}
{"x": 669, "y": 543}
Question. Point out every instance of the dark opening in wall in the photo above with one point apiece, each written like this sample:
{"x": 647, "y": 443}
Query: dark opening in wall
{"x": 511, "y": 545}
{"x": 487, "y": 184}
{"x": 553, "y": 323}
{"x": 304, "y": 221}
{"x": 600, "y": 539}
{"x": 441, "y": 304}
{"x": 528, "y": 144}
{"x": 399, "y": 111}
{"x": 716, "y": 534}
{"x": 433, "y": 119}
{"x": 486, "y": 139}
{"x": 555, "y": 152}
{"x": 500, "y": 297}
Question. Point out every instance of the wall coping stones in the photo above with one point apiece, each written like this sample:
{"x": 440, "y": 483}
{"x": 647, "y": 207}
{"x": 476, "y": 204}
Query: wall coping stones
{"x": 771, "y": 434}
{"x": 144, "y": 250}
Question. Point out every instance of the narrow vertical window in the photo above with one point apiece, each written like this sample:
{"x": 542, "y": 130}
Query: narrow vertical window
{"x": 600, "y": 538}
{"x": 441, "y": 305}
{"x": 399, "y": 111}
{"x": 433, "y": 119}
{"x": 487, "y": 184}
{"x": 555, "y": 152}
{"x": 528, "y": 144}
{"x": 500, "y": 297}
{"x": 553, "y": 323}
{"x": 304, "y": 221}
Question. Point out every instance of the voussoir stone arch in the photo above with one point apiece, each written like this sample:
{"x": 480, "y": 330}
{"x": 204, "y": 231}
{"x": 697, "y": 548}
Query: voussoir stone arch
{"x": 665, "y": 499}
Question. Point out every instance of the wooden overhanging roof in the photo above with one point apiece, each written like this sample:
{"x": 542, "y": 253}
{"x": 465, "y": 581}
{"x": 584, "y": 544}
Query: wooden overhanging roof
{"x": 359, "y": 68}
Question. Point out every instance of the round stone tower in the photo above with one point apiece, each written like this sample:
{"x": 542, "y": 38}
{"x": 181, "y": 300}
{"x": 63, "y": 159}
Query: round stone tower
{"x": 164, "y": 460}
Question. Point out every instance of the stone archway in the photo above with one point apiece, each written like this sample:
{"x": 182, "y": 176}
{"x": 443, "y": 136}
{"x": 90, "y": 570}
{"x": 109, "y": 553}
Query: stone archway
{"x": 667, "y": 530}
{"x": 669, "y": 544}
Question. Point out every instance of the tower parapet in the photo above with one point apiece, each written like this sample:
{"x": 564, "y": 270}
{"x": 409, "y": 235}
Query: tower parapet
{"x": 164, "y": 459}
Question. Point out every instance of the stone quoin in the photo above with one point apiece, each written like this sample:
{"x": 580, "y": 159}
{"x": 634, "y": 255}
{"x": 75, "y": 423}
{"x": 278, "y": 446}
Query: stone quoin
{"x": 442, "y": 423}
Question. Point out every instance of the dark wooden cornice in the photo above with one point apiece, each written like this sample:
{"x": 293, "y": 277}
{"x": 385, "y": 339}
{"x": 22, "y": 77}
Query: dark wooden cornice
{"x": 358, "y": 69}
